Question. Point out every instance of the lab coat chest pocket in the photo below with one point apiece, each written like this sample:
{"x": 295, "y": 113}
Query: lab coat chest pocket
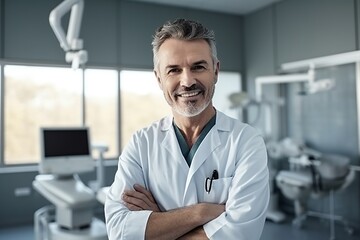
{"x": 219, "y": 191}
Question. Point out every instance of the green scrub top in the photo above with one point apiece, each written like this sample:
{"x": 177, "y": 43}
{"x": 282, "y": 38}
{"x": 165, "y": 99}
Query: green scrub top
{"x": 186, "y": 151}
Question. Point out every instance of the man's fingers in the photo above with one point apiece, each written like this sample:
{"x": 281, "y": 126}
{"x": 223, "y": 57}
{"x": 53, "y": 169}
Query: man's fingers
{"x": 143, "y": 190}
{"x": 136, "y": 199}
{"x": 141, "y": 198}
{"x": 139, "y": 195}
{"x": 132, "y": 207}
{"x": 149, "y": 197}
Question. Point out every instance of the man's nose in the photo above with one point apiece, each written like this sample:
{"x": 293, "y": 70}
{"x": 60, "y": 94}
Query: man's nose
{"x": 187, "y": 78}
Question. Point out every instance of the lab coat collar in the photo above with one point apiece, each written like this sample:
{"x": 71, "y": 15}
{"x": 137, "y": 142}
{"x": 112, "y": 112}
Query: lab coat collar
{"x": 206, "y": 148}
{"x": 170, "y": 143}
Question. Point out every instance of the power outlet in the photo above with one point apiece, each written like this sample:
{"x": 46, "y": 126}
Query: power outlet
{"x": 22, "y": 191}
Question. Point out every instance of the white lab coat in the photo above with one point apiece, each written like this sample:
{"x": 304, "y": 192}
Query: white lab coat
{"x": 153, "y": 159}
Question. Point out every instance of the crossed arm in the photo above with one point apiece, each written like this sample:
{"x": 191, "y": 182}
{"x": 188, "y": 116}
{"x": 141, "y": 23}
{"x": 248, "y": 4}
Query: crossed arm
{"x": 183, "y": 223}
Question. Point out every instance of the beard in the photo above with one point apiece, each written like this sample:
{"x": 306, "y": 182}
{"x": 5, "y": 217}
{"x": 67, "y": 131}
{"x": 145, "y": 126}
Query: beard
{"x": 191, "y": 108}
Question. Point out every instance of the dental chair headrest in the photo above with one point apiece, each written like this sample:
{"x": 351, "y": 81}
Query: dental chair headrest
{"x": 333, "y": 167}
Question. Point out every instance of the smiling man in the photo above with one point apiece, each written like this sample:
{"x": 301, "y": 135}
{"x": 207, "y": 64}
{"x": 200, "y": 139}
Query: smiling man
{"x": 184, "y": 73}
{"x": 197, "y": 174}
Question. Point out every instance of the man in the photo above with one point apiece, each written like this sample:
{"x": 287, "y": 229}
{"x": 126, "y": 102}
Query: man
{"x": 198, "y": 174}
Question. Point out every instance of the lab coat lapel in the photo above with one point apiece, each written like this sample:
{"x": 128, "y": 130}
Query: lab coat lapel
{"x": 206, "y": 148}
{"x": 171, "y": 144}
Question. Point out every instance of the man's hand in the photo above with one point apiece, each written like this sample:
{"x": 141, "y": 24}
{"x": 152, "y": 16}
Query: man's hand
{"x": 182, "y": 223}
{"x": 139, "y": 199}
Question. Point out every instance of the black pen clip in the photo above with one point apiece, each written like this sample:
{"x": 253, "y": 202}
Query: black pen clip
{"x": 208, "y": 181}
{"x": 215, "y": 175}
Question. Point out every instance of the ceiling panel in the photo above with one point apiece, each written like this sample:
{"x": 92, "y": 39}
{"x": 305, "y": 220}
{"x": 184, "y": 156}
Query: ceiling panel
{"x": 239, "y": 7}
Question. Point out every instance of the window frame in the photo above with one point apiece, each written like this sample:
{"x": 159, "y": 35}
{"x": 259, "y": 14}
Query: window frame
{"x": 26, "y": 167}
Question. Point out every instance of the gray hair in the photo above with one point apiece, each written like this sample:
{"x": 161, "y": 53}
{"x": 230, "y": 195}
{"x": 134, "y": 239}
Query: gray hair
{"x": 183, "y": 29}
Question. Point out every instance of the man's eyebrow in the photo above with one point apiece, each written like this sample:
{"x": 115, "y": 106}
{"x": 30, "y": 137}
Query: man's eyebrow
{"x": 171, "y": 66}
{"x": 200, "y": 62}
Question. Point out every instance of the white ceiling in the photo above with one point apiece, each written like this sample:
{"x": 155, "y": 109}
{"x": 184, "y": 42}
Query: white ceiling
{"x": 239, "y": 7}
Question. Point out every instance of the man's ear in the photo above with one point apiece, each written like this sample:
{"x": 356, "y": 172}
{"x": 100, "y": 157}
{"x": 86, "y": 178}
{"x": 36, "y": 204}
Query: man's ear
{"x": 217, "y": 69}
{"x": 157, "y": 75}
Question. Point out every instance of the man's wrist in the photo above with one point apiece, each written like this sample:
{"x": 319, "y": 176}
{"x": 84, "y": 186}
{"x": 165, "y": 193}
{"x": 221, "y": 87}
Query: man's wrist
{"x": 207, "y": 212}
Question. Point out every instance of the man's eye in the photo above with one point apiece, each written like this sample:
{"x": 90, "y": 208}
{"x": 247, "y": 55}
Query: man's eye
{"x": 198, "y": 67}
{"x": 173, "y": 70}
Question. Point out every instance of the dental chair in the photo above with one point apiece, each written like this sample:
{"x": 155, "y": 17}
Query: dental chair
{"x": 65, "y": 152}
{"x": 315, "y": 177}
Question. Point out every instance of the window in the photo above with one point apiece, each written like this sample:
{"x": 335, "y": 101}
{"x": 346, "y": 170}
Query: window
{"x": 101, "y": 108}
{"x": 37, "y": 97}
{"x": 228, "y": 83}
{"x": 142, "y": 102}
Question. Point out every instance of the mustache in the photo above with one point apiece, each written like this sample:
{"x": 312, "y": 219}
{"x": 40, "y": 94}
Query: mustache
{"x": 194, "y": 87}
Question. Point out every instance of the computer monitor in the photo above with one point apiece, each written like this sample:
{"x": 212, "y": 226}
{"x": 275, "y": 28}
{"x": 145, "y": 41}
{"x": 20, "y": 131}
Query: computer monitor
{"x": 65, "y": 151}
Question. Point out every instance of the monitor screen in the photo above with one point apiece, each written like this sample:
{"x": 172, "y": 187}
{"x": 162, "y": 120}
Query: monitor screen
{"x": 65, "y": 142}
{"x": 65, "y": 151}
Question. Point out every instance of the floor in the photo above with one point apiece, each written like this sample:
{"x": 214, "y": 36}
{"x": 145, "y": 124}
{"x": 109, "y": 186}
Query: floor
{"x": 313, "y": 230}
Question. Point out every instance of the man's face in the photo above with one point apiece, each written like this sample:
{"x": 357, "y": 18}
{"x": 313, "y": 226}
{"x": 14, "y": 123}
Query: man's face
{"x": 187, "y": 75}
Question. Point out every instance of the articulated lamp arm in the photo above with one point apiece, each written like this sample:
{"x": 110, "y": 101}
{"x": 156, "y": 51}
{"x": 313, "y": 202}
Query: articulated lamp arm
{"x": 71, "y": 43}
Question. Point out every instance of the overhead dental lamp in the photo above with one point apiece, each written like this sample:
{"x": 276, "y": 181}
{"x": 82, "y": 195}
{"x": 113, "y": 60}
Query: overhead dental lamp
{"x": 312, "y": 85}
{"x": 239, "y": 100}
{"x": 70, "y": 43}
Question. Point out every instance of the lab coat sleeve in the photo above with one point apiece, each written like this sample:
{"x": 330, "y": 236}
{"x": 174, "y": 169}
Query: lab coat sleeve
{"x": 121, "y": 223}
{"x": 245, "y": 209}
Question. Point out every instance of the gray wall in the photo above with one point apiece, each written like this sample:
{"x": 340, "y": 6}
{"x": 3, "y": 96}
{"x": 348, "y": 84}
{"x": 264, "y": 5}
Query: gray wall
{"x": 116, "y": 34}
{"x": 260, "y": 57}
{"x": 136, "y": 33}
{"x": 301, "y": 29}
{"x": 1, "y": 28}
{"x": 308, "y": 29}
{"x": 28, "y": 36}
